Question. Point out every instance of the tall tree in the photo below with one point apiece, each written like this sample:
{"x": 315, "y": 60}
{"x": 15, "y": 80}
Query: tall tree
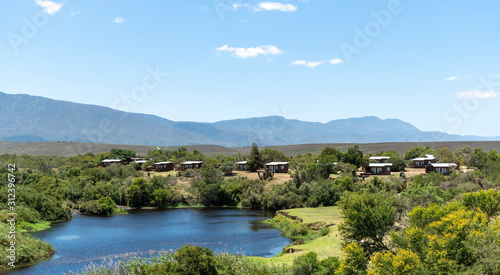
{"x": 354, "y": 156}
{"x": 368, "y": 217}
{"x": 255, "y": 159}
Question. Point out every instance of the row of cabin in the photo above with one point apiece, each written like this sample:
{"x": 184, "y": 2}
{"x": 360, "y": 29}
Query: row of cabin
{"x": 279, "y": 167}
{"x": 429, "y": 162}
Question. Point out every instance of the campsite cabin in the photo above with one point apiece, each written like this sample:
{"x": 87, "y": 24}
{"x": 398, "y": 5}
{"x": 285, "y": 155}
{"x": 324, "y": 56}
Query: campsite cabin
{"x": 379, "y": 159}
{"x": 164, "y": 166}
{"x": 109, "y": 162}
{"x": 190, "y": 165}
{"x": 278, "y": 167}
{"x": 421, "y": 162}
{"x": 378, "y": 168}
{"x": 241, "y": 165}
{"x": 443, "y": 168}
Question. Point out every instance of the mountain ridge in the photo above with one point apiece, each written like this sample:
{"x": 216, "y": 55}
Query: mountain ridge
{"x": 34, "y": 118}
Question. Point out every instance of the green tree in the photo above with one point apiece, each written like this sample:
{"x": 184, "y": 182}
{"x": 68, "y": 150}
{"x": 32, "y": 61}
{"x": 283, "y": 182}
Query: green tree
{"x": 306, "y": 264}
{"x": 210, "y": 174}
{"x": 414, "y": 152}
{"x": 368, "y": 217}
{"x": 354, "y": 263}
{"x": 162, "y": 197}
{"x": 401, "y": 263}
{"x": 194, "y": 260}
{"x": 354, "y": 156}
{"x": 122, "y": 154}
{"x": 269, "y": 155}
{"x": 329, "y": 151}
{"x": 228, "y": 167}
{"x": 398, "y": 163}
{"x": 255, "y": 160}
{"x": 486, "y": 201}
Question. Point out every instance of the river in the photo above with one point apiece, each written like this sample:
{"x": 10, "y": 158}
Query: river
{"x": 85, "y": 240}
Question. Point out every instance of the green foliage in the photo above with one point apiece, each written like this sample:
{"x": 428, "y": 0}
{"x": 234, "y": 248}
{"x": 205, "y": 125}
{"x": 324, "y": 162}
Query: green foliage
{"x": 445, "y": 238}
{"x": 211, "y": 175}
{"x": 28, "y": 250}
{"x": 195, "y": 260}
{"x": 255, "y": 160}
{"x": 105, "y": 206}
{"x": 354, "y": 156}
{"x": 398, "y": 163}
{"x": 354, "y": 263}
{"x": 306, "y": 264}
{"x": 122, "y": 154}
{"x": 486, "y": 201}
{"x": 139, "y": 192}
{"x": 400, "y": 263}
{"x": 228, "y": 167}
{"x": 367, "y": 219}
{"x": 270, "y": 155}
{"x": 299, "y": 232}
{"x": 329, "y": 151}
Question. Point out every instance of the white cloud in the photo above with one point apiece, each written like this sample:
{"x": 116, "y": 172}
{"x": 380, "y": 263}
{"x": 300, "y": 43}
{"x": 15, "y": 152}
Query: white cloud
{"x": 313, "y": 64}
{"x": 477, "y": 94}
{"x": 250, "y": 52}
{"x": 239, "y": 5}
{"x": 244, "y": 21}
{"x": 451, "y": 78}
{"x": 310, "y": 64}
{"x": 335, "y": 61}
{"x": 75, "y": 13}
{"x": 119, "y": 20}
{"x": 496, "y": 75}
{"x": 275, "y": 6}
{"x": 49, "y": 6}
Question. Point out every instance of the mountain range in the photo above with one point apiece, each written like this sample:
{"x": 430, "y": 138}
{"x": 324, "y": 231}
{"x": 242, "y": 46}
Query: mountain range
{"x": 33, "y": 118}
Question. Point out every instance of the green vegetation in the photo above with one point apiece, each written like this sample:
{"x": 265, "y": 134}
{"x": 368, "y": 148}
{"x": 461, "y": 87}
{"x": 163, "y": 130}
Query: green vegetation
{"x": 408, "y": 222}
{"x": 28, "y": 250}
{"x": 255, "y": 159}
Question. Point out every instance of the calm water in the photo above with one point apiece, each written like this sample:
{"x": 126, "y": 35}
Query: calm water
{"x": 92, "y": 239}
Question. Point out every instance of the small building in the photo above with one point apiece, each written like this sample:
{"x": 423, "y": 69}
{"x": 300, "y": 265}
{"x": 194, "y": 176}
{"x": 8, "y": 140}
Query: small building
{"x": 379, "y": 159}
{"x": 190, "y": 165}
{"x": 164, "y": 166}
{"x": 241, "y": 165}
{"x": 378, "y": 169}
{"x": 109, "y": 162}
{"x": 443, "y": 168}
{"x": 279, "y": 167}
{"x": 421, "y": 162}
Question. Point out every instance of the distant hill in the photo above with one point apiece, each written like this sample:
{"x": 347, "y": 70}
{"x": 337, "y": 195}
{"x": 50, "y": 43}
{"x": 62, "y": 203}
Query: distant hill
{"x": 39, "y": 119}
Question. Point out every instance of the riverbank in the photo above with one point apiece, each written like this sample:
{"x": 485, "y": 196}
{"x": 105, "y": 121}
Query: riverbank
{"x": 313, "y": 219}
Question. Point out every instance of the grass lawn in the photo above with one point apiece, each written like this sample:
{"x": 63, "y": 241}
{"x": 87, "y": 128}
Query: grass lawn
{"x": 326, "y": 246}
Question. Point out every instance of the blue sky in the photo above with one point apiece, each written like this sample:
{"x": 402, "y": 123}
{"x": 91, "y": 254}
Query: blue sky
{"x": 435, "y": 64}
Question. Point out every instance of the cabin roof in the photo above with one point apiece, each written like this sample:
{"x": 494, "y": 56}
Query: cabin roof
{"x": 379, "y": 158}
{"x": 163, "y": 162}
{"x": 443, "y": 165}
{"x": 192, "y": 162}
{"x": 140, "y": 161}
{"x": 425, "y": 157}
{"x": 112, "y": 160}
{"x": 242, "y": 162}
{"x": 380, "y": 164}
{"x": 277, "y": 163}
